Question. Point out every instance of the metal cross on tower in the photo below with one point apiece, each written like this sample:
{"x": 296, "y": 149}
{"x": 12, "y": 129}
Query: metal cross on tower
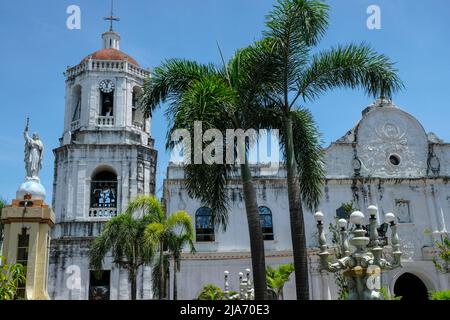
{"x": 111, "y": 18}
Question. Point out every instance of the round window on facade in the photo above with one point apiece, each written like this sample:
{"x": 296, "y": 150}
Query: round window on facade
{"x": 394, "y": 159}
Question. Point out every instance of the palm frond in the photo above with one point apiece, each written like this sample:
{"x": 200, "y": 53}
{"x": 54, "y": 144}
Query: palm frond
{"x": 252, "y": 72}
{"x": 352, "y": 66}
{"x": 154, "y": 233}
{"x": 293, "y": 27}
{"x": 169, "y": 81}
{"x": 309, "y": 157}
{"x": 98, "y": 251}
{"x": 211, "y": 101}
{"x": 147, "y": 205}
{"x": 300, "y": 21}
{"x": 180, "y": 219}
{"x": 208, "y": 184}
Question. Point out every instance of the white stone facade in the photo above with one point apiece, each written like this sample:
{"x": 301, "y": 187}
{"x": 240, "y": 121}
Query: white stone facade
{"x": 387, "y": 160}
{"x": 105, "y": 158}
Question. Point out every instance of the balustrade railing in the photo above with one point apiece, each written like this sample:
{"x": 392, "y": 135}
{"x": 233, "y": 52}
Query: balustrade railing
{"x": 105, "y": 65}
{"x": 75, "y": 125}
{"x": 105, "y": 121}
{"x": 102, "y": 212}
{"x": 138, "y": 125}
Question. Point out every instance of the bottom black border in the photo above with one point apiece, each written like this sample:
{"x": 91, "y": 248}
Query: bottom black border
{"x": 168, "y": 310}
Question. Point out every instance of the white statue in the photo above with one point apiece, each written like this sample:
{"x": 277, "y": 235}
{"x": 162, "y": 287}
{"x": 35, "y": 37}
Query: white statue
{"x": 34, "y": 154}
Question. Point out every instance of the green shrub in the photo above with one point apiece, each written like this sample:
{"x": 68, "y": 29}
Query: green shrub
{"x": 440, "y": 295}
{"x": 11, "y": 277}
{"x": 386, "y": 296}
{"x": 211, "y": 292}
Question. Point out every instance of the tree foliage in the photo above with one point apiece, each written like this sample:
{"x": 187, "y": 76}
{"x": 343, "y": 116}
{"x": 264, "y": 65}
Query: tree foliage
{"x": 11, "y": 277}
{"x": 211, "y": 292}
{"x": 123, "y": 239}
{"x": 158, "y": 232}
{"x": 277, "y": 277}
{"x": 442, "y": 259}
{"x": 220, "y": 98}
{"x": 300, "y": 75}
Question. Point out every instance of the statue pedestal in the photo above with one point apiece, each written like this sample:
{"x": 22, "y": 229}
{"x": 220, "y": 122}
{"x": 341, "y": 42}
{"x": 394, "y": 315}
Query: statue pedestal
{"x": 28, "y": 222}
{"x": 33, "y": 188}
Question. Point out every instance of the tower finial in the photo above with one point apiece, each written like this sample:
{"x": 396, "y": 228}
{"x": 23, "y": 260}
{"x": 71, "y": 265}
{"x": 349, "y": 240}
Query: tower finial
{"x": 111, "y": 17}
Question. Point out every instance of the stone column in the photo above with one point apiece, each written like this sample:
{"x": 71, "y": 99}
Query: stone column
{"x": 314, "y": 271}
{"x": 429, "y": 194}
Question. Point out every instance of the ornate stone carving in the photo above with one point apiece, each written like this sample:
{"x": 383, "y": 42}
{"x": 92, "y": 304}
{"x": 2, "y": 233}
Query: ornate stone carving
{"x": 385, "y": 147}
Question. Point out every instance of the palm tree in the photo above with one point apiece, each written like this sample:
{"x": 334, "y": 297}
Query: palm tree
{"x": 177, "y": 241}
{"x": 277, "y": 278}
{"x": 294, "y": 27}
{"x": 160, "y": 229}
{"x": 156, "y": 275}
{"x": 123, "y": 236}
{"x": 221, "y": 98}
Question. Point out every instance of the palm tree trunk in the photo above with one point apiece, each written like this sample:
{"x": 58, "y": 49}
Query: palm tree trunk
{"x": 133, "y": 280}
{"x": 175, "y": 293}
{"x": 161, "y": 271}
{"x": 256, "y": 236}
{"x": 296, "y": 217}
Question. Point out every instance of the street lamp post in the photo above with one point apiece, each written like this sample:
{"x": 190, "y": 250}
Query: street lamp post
{"x": 363, "y": 266}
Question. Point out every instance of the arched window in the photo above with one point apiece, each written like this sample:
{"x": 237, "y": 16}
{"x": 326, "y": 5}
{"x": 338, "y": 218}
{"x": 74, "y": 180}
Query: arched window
{"x": 103, "y": 194}
{"x": 107, "y": 103}
{"x": 137, "y": 116}
{"x": 204, "y": 226}
{"x": 107, "y": 89}
{"x": 265, "y": 216}
{"x": 76, "y": 103}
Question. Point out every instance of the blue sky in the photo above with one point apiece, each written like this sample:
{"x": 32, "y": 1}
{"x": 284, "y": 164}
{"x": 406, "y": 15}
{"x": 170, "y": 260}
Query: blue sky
{"x": 36, "y": 47}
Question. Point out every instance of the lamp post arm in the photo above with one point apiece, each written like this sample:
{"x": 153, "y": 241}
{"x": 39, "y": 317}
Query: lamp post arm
{"x": 339, "y": 265}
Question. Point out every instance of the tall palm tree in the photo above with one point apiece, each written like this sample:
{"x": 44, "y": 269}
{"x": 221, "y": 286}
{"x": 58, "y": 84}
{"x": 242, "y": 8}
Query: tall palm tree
{"x": 221, "y": 98}
{"x": 294, "y": 28}
{"x": 123, "y": 236}
{"x": 160, "y": 229}
{"x": 177, "y": 241}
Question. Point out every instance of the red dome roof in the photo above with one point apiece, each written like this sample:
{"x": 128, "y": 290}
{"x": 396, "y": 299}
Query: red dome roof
{"x": 111, "y": 54}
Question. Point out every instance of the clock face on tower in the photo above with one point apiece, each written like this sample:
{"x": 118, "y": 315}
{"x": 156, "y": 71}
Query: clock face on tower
{"x": 106, "y": 86}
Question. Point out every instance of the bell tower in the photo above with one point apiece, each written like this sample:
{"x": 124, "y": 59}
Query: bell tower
{"x": 105, "y": 158}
